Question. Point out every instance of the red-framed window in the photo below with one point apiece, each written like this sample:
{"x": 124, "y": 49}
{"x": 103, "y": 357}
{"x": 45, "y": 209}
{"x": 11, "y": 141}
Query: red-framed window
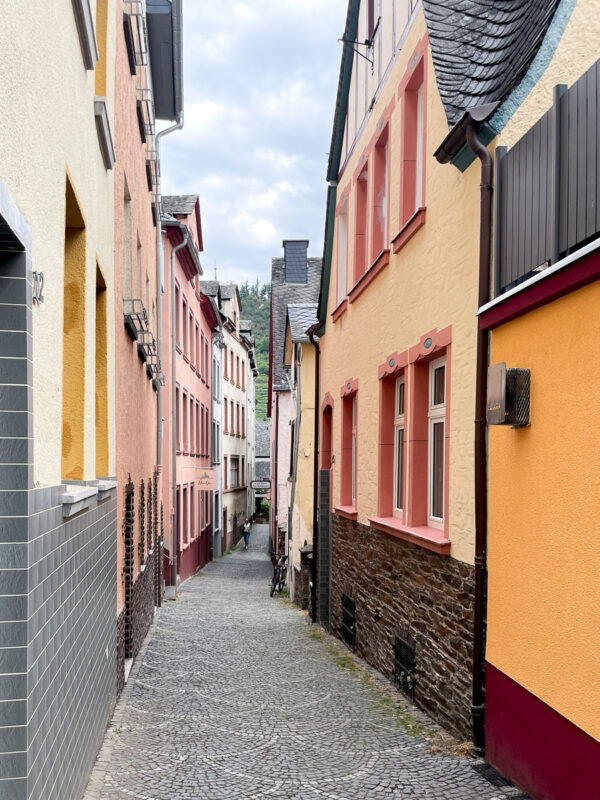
{"x": 178, "y": 417}
{"x": 225, "y": 362}
{"x": 197, "y": 341}
{"x": 192, "y": 355}
{"x": 243, "y": 422}
{"x": 225, "y": 415}
{"x": 232, "y": 378}
{"x": 232, "y": 420}
{"x": 197, "y": 427}
{"x": 177, "y": 316}
{"x": 185, "y": 516}
{"x": 225, "y": 484}
{"x": 206, "y": 371}
{"x": 342, "y": 251}
{"x": 185, "y": 422}
{"x": 193, "y": 428}
{"x": 380, "y": 203}
{"x": 184, "y": 316}
{"x": 193, "y": 528}
{"x": 349, "y": 442}
{"x": 413, "y": 139}
{"x": 361, "y": 222}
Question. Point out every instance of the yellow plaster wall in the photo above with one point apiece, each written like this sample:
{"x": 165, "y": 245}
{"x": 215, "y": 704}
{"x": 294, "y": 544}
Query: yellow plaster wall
{"x": 544, "y": 592}
{"x": 102, "y": 451}
{"x": 47, "y": 116}
{"x": 430, "y": 283}
{"x": 101, "y": 40}
{"x": 303, "y": 506}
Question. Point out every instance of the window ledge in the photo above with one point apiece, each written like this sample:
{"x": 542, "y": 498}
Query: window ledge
{"x": 429, "y": 538}
{"x": 349, "y": 512}
{"x": 85, "y": 29}
{"x": 104, "y": 135}
{"x": 408, "y": 230}
{"x": 382, "y": 260}
{"x": 337, "y": 313}
{"x": 76, "y": 498}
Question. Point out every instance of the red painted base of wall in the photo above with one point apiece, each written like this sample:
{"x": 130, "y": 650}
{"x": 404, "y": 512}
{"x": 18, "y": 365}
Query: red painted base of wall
{"x": 190, "y": 560}
{"x": 537, "y": 748}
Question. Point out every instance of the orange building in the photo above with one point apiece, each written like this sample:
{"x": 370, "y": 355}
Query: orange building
{"x": 137, "y": 371}
{"x": 543, "y": 642}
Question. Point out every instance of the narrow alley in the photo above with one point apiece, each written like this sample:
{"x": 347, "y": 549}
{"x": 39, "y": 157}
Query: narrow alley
{"x": 236, "y": 696}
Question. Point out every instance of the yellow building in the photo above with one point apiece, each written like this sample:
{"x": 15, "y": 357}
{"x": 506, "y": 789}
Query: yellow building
{"x": 300, "y": 357}
{"x": 400, "y": 343}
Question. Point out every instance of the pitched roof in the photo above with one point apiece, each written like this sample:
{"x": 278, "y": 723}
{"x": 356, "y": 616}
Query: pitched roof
{"x": 482, "y": 49}
{"x": 246, "y": 325}
{"x": 262, "y": 470}
{"x": 301, "y": 317}
{"x": 210, "y": 288}
{"x": 282, "y": 294}
{"x": 228, "y": 290}
{"x": 262, "y": 435}
{"x": 179, "y": 203}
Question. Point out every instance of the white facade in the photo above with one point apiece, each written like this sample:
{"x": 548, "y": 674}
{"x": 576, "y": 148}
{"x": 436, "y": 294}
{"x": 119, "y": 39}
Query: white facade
{"x": 234, "y": 400}
{"x": 217, "y": 441}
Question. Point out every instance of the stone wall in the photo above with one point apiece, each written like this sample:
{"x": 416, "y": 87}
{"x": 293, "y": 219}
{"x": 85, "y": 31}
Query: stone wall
{"x": 402, "y": 589}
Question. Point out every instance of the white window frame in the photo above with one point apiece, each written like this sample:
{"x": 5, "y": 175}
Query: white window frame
{"x": 236, "y": 460}
{"x": 436, "y": 414}
{"x": 342, "y": 253}
{"x": 419, "y": 154}
{"x": 399, "y": 425}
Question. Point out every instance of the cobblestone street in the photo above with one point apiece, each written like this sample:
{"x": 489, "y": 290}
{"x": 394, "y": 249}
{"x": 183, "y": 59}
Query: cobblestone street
{"x": 236, "y": 696}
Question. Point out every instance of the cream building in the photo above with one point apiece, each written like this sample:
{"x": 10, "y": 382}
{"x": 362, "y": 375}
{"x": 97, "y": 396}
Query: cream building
{"x": 234, "y": 399}
{"x": 57, "y": 392}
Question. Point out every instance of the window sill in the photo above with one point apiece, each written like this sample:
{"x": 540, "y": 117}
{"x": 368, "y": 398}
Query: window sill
{"x": 349, "y": 512}
{"x": 429, "y": 538}
{"x": 337, "y": 313}
{"x": 408, "y": 230}
{"x": 382, "y": 260}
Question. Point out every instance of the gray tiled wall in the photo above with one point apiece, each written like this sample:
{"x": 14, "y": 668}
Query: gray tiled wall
{"x": 57, "y": 579}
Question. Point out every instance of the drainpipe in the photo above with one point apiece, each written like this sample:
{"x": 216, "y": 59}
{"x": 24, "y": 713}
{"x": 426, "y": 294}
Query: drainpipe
{"x": 160, "y": 277}
{"x": 275, "y": 541}
{"x": 481, "y": 510}
{"x": 177, "y": 12}
{"x": 313, "y": 591}
{"x": 174, "y": 252}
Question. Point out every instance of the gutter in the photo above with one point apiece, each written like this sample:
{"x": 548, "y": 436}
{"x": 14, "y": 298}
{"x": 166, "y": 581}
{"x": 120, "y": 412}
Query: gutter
{"x": 174, "y": 406}
{"x": 315, "y": 573}
{"x": 457, "y": 137}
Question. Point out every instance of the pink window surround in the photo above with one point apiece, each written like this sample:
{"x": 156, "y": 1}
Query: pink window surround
{"x": 361, "y": 220}
{"x": 414, "y": 364}
{"x": 380, "y": 202}
{"x": 376, "y": 267}
{"x": 412, "y": 197}
{"x": 348, "y": 393}
{"x": 337, "y": 312}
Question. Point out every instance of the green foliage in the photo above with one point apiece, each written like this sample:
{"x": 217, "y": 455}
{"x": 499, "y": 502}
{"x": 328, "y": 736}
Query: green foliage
{"x": 256, "y": 305}
{"x": 263, "y": 509}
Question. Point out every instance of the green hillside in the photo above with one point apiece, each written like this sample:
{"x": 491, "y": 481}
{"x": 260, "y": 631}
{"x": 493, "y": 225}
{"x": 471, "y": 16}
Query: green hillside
{"x": 256, "y": 302}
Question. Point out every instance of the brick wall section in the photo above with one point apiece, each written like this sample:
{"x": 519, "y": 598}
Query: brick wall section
{"x": 400, "y": 588}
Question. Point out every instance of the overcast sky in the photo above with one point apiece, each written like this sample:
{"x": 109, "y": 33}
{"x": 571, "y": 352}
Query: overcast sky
{"x": 260, "y": 86}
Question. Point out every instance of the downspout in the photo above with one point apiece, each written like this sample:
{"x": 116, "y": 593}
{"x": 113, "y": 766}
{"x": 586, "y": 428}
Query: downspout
{"x": 160, "y": 266}
{"x": 481, "y": 507}
{"x": 174, "y": 252}
{"x": 313, "y": 589}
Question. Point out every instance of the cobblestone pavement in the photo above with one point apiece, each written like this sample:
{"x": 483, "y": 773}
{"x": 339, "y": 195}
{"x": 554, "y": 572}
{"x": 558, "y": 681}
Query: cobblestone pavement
{"x": 235, "y": 695}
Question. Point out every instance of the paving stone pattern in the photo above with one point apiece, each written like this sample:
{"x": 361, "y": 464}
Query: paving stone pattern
{"x": 235, "y": 695}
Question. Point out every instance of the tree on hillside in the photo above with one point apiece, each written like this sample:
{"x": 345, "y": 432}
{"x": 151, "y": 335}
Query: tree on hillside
{"x": 256, "y": 306}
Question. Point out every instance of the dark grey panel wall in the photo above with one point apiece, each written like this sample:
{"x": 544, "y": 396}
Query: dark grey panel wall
{"x": 324, "y": 546}
{"x": 72, "y": 642}
{"x": 15, "y": 481}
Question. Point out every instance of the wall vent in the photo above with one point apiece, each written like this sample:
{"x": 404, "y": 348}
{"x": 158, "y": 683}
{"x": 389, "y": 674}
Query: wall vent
{"x": 348, "y": 621}
{"x": 404, "y": 666}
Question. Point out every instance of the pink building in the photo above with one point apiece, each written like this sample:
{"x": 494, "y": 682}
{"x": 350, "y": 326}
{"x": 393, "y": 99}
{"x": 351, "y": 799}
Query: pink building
{"x": 196, "y": 316}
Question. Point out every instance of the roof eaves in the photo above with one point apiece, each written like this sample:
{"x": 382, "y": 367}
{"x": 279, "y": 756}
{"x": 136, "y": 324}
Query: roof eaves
{"x": 335, "y": 150}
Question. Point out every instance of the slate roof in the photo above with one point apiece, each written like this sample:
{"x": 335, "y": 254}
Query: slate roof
{"x": 246, "y": 325}
{"x": 282, "y": 294}
{"x": 210, "y": 288}
{"x": 179, "y": 203}
{"x": 301, "y": 317}
{"x": 228, "y": 290}
{"x": 262, "y": 470}
{"x": 262, "y": 433}
{"x": 482, "y": 49}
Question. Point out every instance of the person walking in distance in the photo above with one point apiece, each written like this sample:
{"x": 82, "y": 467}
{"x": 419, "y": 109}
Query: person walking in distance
{"x": 246, "y": 533}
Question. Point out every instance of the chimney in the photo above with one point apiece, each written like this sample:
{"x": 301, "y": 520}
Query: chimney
{"x": 295, "y": 254}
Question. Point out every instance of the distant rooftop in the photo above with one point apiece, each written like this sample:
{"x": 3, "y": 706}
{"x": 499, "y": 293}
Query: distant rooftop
{"x": 179, "y": 203}
{"x": 301, "y": 317}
